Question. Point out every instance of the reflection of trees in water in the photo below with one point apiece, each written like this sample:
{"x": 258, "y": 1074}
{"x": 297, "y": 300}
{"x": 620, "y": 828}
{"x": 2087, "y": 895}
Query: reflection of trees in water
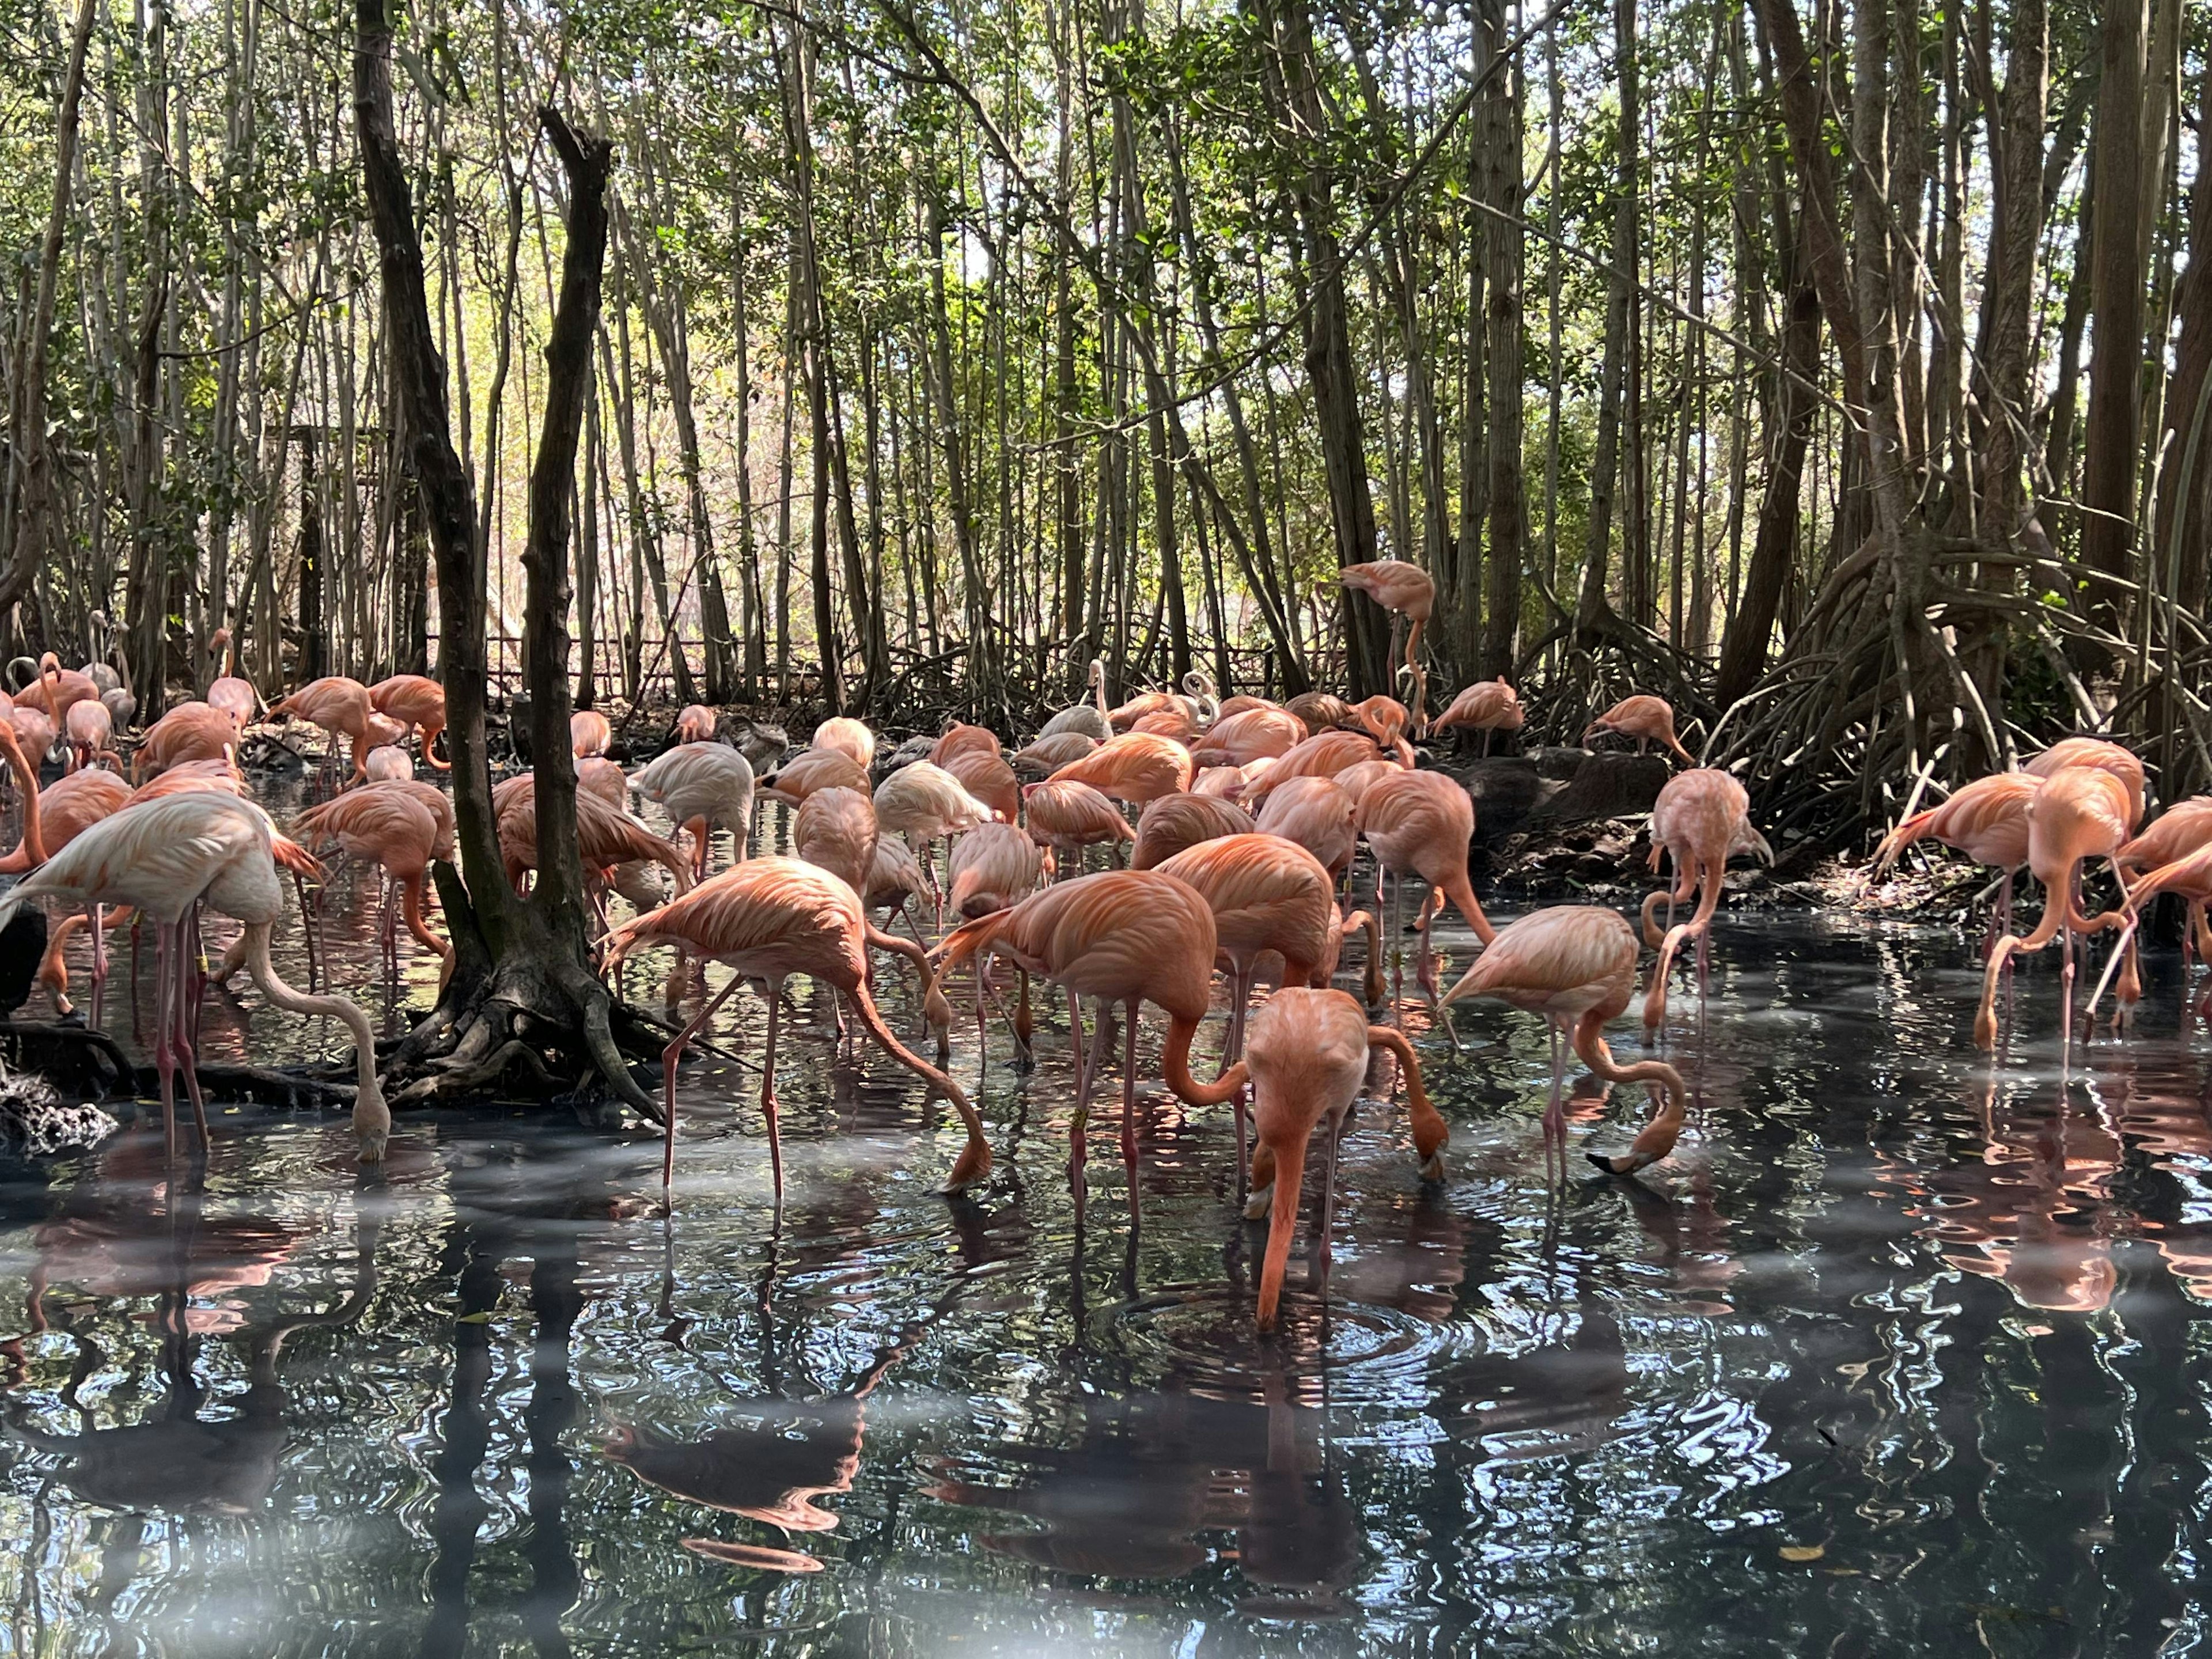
{"x": 121, "y": 1236}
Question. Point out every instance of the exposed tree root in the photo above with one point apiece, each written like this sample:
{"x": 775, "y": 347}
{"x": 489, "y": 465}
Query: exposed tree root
{"x": 527, "y": 1027}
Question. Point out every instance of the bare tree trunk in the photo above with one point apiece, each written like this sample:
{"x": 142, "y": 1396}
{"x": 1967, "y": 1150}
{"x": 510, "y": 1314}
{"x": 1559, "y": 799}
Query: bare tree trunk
{"x": 38, "y": 513}
{"x": 2116, "y": 351}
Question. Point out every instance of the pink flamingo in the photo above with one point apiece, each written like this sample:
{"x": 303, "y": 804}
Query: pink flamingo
{"x": 1409, "y": 593}
{"x": 1307, "y": 1063}
{"x": 1701, "y": 816}
{"x": 766, "y": 920}
{"x": 1647, "y": 719}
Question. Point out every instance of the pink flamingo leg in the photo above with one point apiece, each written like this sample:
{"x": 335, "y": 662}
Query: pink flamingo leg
{"x": 669, "y": 1058}
{"x": 185, "y": 1002}
{"x": 165, "y": 1057}
{"x": 769, "y": 1109}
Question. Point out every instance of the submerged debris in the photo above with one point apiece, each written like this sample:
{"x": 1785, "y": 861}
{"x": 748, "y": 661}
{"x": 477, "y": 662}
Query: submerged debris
{"x": 35, "y": 1120}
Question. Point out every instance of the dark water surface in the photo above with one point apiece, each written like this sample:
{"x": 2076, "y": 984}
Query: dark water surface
{"x": 1900, "y": 1352}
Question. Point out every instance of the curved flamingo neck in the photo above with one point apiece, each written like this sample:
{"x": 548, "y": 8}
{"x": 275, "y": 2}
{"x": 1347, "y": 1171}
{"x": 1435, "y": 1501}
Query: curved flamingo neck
{"x": 372, "y": 1118}
{"x": 30, "y": 849}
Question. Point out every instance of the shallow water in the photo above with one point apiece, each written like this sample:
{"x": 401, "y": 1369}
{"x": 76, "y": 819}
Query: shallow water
{"x": 1900, "y": 1351}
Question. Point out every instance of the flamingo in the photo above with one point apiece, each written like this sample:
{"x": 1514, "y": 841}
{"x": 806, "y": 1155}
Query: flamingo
{"x": 1648, "y": 720}
{"x": 985, "y": 774}
{"x": 765, "y": 920}
{"x": 341, "y": 708}
{"x": 1700, "y": 817}
{"x": 57, "y": 689}
{"x": 165, "y": 859}
{"x": 1319, "y": 816}
{"x": 1047, "y": 754}
{"x": 1123, "y": 937}
{"x": 1193, "y": 704}
{"x": 190, "y": 732}
{"x": 1261, "y": 733}
{"x": 606, "y": 837}
{"x": 960, "y": 740}
{"x": 1068, "y": 816}
{"x": 414, "y": 701}
{"x": 1359, "y": 777}
{"x": 1986, "y": 820}
{"x": 926, "y": 803}
{"x": 589, "y": 732}
{"x": 1136, "y": 767}
{"x": 2190, "y": 877}
{"x": 1221, "y": 782}
{"x": 1384, "y": 719}
{"x": 1090, "y": 718}
{"x": 696, "y": 724}
{"x": 1172, "y": 823}
{"x": 1576, "y": 965}
{"x": 1268, "y": 894}
{"x": 1322, "y": 755}
{"x": 34, "y": 730}
{"x": 994, "y": 866}
{"x": 1306, "y": 1063}
{"x": 847, "y": 737}
{"x": 1320, "y": 711}
{"x": 2179, "y": 831}
{"x": 812, "y": 769}
{"x": 1409, "y": 594}
{"x": 836, "y": 830}
{"x": 390, "y": 826}
{"x": 2099, "y": 755}
{"x": 1487, "y": 706}
{"x": 91, "y": 731}
{"x": 703, "y": 786}
{"x": 388, "y": 764}
{"x": 236, "y": 697}
{"x": 2081, "y": 811}
{"x": 1420, "y": 822}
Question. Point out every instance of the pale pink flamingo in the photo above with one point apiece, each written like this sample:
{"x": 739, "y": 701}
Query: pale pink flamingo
{"x": 1576, "y": 965}
{"x": 703, "y": 788}
{"x": 1322, "y": 755}
{"x": 190, "y": 732}
{"x": 1048, "y": 754}
{"x": 696, "y": 724}
{"x": 166, "y": 858}
{"x": 847, "y": 737}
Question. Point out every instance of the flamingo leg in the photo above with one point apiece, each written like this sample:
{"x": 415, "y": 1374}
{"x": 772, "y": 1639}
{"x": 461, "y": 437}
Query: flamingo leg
{"x": 184, "y": 992}
{"x": 165, "y": 1056}
{"x": 1086, "y": 1075}
{"x": 1240, "y": 987}
{"x": 769, "y": 1109}
{"x": 1129, "y": 1095}
{"x": 1333, "y": 1126}
{"x": 669, "y": 1058}
{"x": 99, "y": 960}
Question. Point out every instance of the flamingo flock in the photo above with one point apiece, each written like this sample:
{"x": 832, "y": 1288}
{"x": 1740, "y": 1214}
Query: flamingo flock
{"x": 1228, "y": 832}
